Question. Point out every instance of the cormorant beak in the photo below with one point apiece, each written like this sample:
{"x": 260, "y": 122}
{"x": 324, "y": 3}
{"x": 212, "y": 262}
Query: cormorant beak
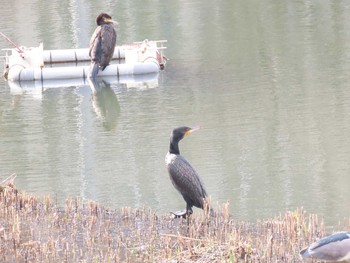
{"x": 108, "y": 20}
{"x": 192, "y": 130}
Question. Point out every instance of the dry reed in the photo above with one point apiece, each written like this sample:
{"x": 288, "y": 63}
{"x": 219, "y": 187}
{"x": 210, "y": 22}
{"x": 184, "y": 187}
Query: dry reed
{"x": 36, "y": 229}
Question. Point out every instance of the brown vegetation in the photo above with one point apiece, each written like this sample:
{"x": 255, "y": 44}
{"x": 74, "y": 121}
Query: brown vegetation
{"x": 34, "y": 229}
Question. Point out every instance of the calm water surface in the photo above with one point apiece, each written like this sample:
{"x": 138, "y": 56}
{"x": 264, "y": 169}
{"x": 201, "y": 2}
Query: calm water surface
{"x": 268, "y": 83}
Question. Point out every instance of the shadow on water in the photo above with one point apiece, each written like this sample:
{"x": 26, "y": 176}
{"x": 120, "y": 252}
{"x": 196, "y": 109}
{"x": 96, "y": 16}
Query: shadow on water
{"x": 105, "y": 103}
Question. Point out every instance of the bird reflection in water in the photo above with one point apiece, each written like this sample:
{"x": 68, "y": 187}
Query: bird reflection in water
{"x": 105, "y": 103}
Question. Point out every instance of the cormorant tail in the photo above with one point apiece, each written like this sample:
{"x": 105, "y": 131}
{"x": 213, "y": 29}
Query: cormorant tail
{"x": 94, "y": 69}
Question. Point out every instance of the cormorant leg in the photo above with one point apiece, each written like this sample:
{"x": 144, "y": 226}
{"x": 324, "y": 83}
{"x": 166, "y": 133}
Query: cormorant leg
{"x": 189, "y": 212}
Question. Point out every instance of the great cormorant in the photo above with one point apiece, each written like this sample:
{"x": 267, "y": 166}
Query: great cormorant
{"x": 335, "y": 248}
{"x": 183, "y": 176}
{"x": 102, "y": 43}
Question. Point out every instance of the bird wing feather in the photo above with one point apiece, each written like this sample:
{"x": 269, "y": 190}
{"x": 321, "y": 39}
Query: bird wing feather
{"x": 336, "y": 237}
{"x": 186, "y": 181}
{"x": 334, "y": 248}
{"x": 95, "y": 44}
{"x": 109, "y": 39}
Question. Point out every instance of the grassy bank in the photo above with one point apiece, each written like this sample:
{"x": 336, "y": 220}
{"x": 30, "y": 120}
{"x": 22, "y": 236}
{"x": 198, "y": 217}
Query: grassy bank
{"x": 36, "y": 229}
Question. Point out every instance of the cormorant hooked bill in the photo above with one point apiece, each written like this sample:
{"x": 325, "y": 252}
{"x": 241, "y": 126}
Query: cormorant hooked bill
{"x": 102, "y": 43}
{"x": 183, "y": 176}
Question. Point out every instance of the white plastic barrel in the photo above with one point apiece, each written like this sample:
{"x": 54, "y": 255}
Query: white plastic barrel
{"x": 18, "y": 73}
{"x": 76, "y": 55}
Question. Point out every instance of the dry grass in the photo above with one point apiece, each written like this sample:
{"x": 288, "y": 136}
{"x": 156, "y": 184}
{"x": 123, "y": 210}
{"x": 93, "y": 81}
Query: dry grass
{"x": 34, "y": 229}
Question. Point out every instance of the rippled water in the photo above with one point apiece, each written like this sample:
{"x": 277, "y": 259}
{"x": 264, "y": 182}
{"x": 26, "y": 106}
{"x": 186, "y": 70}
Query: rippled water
{"x": 267, "y": 82}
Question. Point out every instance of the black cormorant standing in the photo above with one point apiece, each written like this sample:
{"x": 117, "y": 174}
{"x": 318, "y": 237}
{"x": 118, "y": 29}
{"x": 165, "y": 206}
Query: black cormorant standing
{"x": 183, "y": 176}
{"x": 102, "y": 43}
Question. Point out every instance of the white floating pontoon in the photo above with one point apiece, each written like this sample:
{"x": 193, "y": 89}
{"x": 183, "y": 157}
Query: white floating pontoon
{"x": 28, "y": 64}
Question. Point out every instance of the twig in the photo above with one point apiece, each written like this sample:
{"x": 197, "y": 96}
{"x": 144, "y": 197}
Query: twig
{"x": 13, "y": 43}
{"x": 178, "y": 236}
{"x": 9, "y": 180}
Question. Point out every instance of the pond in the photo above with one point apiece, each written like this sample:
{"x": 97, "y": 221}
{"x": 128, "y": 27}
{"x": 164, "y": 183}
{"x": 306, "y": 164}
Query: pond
{"x": 267, "y": 82}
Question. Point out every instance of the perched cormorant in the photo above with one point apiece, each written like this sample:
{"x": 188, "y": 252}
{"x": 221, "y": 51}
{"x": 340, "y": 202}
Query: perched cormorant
{"x": 102, "y": 43}
{"x": 335, "y": 248}
{"x": 184, "y": 178}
